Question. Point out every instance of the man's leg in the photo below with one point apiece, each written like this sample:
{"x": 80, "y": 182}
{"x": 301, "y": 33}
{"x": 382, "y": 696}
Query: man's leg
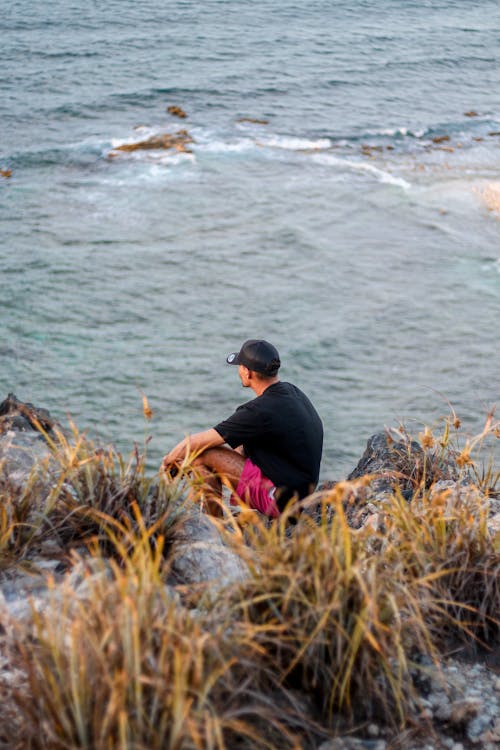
{"x": 218, "y": 466}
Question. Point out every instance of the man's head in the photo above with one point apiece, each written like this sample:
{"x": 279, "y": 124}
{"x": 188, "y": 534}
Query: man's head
{"x": 257, "y": 356}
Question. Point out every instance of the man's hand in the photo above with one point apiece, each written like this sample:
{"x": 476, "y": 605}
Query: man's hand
{"x": 170, "y": 470}
{"x": 176, "y": 455}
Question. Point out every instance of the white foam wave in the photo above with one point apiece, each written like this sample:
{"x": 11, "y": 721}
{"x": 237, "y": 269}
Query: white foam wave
{"x": 236, "y": 146}
{"x": 392, "y": 132}
{"x": 141, "y": 132}
{"x": 361, "y": 166}
{"x": 290, "y": 143}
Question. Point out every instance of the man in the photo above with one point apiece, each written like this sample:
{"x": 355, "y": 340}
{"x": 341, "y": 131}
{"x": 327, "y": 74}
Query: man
{"x": 275, "y": 441}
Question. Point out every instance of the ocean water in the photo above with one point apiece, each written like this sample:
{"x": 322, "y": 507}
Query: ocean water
{"x": 358, "y": 228}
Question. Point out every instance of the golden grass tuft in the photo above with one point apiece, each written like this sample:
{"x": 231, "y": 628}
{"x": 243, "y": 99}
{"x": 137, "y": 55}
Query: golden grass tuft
{"x": 330, "y": 616}
{"x": 440, "y": 542}
{"x": 127, "y": 666}
{"x": 21, "y": 518}
{"x": 98, "y": 492}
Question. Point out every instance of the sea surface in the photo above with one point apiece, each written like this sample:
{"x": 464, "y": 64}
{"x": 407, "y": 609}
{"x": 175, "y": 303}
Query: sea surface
{"x": 353, "y": 225}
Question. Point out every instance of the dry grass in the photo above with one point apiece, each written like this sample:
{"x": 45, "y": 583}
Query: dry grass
{"x": 98, "y": 492}
{"x": 441, "y": 540}
{"x": 21, "y": 518}
{"x": 82, "y": 494}
{"x": 127, "y": 666}
{"x": 330, "y": 616}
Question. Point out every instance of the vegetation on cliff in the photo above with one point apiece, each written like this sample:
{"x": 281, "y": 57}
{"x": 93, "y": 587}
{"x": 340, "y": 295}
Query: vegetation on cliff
{"x": 331, "y": 628}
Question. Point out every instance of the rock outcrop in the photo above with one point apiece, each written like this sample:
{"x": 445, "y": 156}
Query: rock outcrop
{"x": 20, "y": 416}
{"x": 458, "y": 700}
{"x": 23, "y": 428}
{"x": 398, "y": 462}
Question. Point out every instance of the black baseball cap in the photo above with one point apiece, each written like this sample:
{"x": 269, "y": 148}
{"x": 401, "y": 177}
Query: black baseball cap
{"x": 258, "y": 355}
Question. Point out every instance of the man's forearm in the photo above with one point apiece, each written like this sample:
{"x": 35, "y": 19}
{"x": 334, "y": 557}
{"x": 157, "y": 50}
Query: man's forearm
{"x": 195, "y": 443}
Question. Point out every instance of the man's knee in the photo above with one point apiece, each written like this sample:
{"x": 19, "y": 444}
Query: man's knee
{"x": 219, "y": 457}
{"x": 224, "y": 462}
{"x": 208, "y": 458}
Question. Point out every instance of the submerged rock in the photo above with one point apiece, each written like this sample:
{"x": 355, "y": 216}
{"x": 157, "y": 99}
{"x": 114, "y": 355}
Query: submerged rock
{"x": 253, "y": 120}
{"x": 368, "y": 150}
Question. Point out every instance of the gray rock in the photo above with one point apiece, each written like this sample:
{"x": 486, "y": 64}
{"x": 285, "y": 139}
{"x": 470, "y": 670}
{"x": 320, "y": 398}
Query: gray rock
{"x": 462, "y": 711}
{"x": 492, "y": 736}
{"x": 494, "y": 524}
{"x": 352, "y": 743}
{"x": 442, "y": 706}
{"x": 20, "y": 416}
{"x": 397, "y": 461}
{"x": 25, "y": 456}
{"x": 21, "y": 608}
{"x": 200, "y": 554}
{"x": 20, "y": 454}
{"x": 479, "y": 725}
{"x": 391, "y": 462}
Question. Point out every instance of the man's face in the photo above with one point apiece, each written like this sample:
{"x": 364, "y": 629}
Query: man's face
{"x": 243, "y": 372}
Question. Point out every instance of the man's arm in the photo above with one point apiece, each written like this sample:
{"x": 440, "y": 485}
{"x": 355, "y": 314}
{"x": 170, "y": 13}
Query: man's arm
{"x": 195, "y": 443}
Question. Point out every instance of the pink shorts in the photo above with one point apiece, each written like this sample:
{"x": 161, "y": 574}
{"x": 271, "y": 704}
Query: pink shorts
{"x": 256, "y": 490}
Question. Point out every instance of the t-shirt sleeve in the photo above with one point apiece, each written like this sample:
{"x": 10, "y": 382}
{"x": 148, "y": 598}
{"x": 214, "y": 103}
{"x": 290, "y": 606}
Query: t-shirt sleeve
{"x": 245, "y": 424}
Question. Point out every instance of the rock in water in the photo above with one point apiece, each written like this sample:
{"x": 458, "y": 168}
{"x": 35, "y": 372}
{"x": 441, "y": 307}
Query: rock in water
{"x": 176, "y": 111}
{"x": 177, "y": 141}
{"x": 253, "y": 120}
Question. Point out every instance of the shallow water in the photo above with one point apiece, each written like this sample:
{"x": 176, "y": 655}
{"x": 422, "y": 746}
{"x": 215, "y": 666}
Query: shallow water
{"x": 375, "y": 271}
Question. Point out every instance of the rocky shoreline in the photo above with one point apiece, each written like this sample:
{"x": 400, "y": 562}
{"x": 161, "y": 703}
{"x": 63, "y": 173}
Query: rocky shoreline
{"x": 458, "y": 697}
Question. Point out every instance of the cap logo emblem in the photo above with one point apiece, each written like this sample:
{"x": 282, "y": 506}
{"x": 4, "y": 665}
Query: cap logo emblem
{"x": 231, "y": 358}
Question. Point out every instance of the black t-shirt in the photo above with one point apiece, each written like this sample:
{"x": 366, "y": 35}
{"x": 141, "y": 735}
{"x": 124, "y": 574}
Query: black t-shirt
{"x": 282, "y": 434}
